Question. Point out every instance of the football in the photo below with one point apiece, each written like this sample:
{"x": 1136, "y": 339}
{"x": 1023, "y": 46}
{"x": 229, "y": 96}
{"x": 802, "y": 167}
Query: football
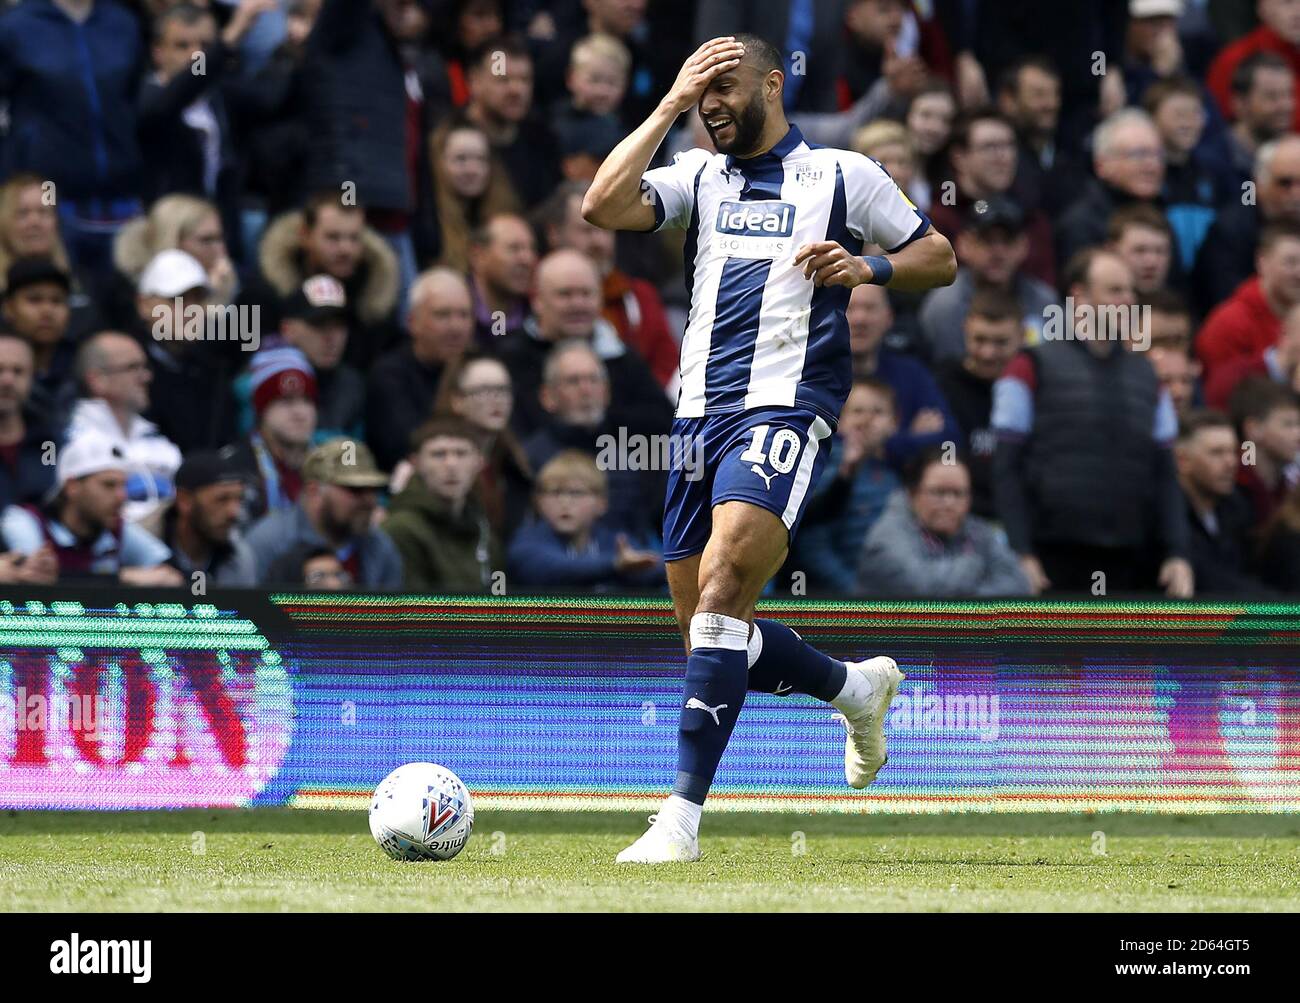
{"x": 421, "y": 811}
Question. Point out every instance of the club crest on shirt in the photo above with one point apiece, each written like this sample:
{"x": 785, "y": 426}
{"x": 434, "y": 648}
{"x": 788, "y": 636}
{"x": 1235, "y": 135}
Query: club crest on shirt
{"x": 807, "y": 175}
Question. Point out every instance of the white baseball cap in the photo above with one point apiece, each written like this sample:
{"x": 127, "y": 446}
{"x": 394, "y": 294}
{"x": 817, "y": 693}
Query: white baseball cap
{"x": 90, "y": 453}
{"x": 172, "y": 273}
{"x": 1155, "y": 8}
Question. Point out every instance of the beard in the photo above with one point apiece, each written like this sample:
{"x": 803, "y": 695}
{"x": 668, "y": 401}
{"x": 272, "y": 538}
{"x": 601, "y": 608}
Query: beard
{"x": 747, "y": 128}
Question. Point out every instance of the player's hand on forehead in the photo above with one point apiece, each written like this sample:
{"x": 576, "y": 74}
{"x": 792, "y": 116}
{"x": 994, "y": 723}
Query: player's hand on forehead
{"x": 713, "y": 58}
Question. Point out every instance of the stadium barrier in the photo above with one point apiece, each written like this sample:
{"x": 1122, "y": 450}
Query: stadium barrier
{"x": 308, "y": 700}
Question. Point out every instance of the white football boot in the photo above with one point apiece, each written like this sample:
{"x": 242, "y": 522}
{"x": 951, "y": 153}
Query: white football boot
{"x": 864, "y": 719}
{"x": 665, "y": 842}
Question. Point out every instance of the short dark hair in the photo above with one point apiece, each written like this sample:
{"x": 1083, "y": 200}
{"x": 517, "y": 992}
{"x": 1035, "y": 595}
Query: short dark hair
{"x": 1009, "y": 81}
{"x": 966, "y": 121}
{"x": 761, "y": 53}
{"x": 995, "y": 305}
{"x": 325, "y": 198}
{"x": 1257, "y": 397}
{"x": 879, "y": 386}
{"x": 945, "y": 454}
{"x": 184, "y": 13}
{"x": 1079, "y": 267}
{"x": 450, "y": 426}
{"x": 1166, "y": 301}
{"x": 1160, "y": 91}
{"x": 1199, "y": 419}
{"x": 1280, "y": 230}
{"x": 508, "y": 45}
{"x": 1137, "y": 214}
{"x": 1243, "y": 77}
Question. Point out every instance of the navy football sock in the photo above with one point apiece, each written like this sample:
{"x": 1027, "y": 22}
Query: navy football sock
{"x": 782, "y": 662}
{"x": 714, "y": 694}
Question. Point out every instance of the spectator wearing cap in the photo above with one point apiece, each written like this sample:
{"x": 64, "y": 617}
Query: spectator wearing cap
{"x": 566, "y": 304}
{"x": 1279, "y": 32}
{"x": 404, "y": 382}
{"x": 315, "y": 320}
{"x": 26, "y": 447}
{"x": 283, "y": 389}
{"x": 586, "y": 122}
{"x": 1078, "y": 412}
{"x": 1129, "y": 163}
{"x": 1251, "y": 320}
{"x": 1227, "y": 257}
{"x": 36, "y": 310}
{"x": 80, "y": 533}
{"x": 632, "y": 305}
{"x": 923, "y": 415}
{"x": 502, "y": 257}
{"x": 199, "y": 524}
{"x": 329, "y": 236}
{"x": 501, "y": 104}
{"x": 994, "y": 333}
{"x": 82, "y": 138}
{"x": 190, "y": 398}
{"x": 335, "y": 509}
{"x": 991, "y": 252}
{"x": 1153, "y": 51}
{"x": 983, "y": 156}
{"x": 114, "y": 377}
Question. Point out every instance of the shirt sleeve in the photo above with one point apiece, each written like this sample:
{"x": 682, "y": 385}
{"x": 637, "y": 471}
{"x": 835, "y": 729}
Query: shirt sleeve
{"x": 672, "y": 188}
{"x": 141, "y": 549}
{"x": 876, "y": 208}
{"x": 21, "y": 531}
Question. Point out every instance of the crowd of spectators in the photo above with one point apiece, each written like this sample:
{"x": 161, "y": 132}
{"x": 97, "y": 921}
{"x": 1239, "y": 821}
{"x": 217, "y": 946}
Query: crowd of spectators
{"x": 300, "y": 293}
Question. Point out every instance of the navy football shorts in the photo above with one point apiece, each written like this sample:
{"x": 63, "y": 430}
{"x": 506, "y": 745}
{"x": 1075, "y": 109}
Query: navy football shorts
{"x": 770, "y": 457}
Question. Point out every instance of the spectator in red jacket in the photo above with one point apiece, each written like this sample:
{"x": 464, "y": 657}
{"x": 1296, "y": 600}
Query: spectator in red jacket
{"x": 1279, "y": 31}
{"x": 1279, "y": 363}
{"x": 632, "y": 305}
{"x": 1251, "y": 320}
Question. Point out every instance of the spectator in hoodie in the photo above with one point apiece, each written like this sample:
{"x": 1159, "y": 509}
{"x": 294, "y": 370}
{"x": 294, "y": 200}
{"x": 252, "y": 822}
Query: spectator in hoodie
{"x": 404, "y": 382}
{"x": 199, "y": 525}
{"x": 113, "y": 373}
{"x": 632, "y": 305}
{"x": 79, "y": 534}
{"x": 568, "y": 545}
{"x": 853, "y": 491}
{"x": 436, "y": 522}
{"x": 1219, "y": 518}
{"x": 923, "y": 415}
{"x": 1251, "y": 320}
{"x": 283, "y": 388}
{"x": 82, "y": 138}
{"x": 1266, "y": 417}
{"x": 1279, "y": 363}
{"x": 35, "y": 309}
{"x": 928, "y": 544}
{"x": 335, "y": 509}
{"x": 27, "y": 449}
{"x": 502, "y": 256}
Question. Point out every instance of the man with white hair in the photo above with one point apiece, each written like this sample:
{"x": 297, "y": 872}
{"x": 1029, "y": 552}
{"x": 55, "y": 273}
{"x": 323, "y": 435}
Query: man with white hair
{"x": 80, "y": 533}
{"x": 1128, "y": 159}
{"x": 566, "y": 303}
{"x": 404, "y": 381}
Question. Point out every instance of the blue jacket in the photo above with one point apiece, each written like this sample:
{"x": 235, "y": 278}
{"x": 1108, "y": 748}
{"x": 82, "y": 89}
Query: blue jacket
{"x": 72, "y": 93}
{"x": 540, "y": 556}
{"x": 915, "y": 389}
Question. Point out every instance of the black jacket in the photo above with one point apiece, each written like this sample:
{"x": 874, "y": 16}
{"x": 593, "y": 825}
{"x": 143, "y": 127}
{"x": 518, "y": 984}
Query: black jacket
{"x": 1219, "y": 558}
{"x": 399, "y": 398}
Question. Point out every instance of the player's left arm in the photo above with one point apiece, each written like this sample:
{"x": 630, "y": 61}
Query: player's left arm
{"x": 926, "y": 262}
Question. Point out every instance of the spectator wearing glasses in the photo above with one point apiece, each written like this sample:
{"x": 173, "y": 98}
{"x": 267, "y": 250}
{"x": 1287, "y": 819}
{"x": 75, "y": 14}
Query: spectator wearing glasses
{"x": 926, "y": 543}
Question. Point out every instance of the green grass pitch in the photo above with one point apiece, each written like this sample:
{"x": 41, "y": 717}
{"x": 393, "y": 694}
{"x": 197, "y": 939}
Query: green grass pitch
{"x": 285, "y": 860}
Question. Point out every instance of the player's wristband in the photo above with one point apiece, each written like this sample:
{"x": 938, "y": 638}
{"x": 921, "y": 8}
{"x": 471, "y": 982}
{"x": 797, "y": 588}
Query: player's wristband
{"x": 882, "y": 269}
